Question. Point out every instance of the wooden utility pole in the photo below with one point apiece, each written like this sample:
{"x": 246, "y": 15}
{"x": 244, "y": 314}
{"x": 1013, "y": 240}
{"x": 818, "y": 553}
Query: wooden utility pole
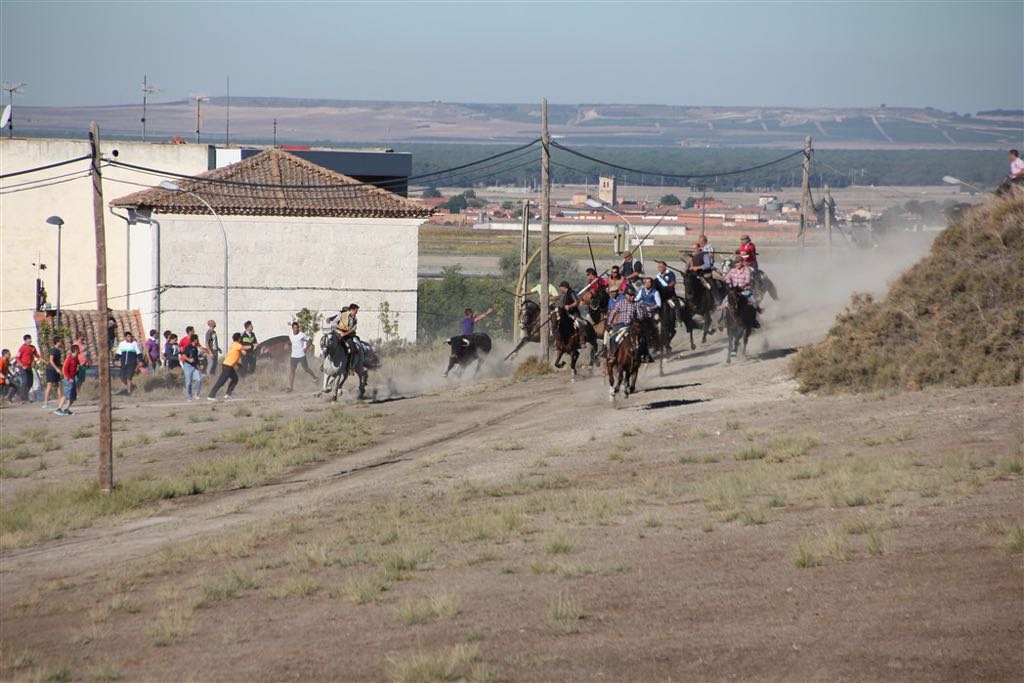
{"x": 545, "y": 226}
{"x": 828, "y": 219}
{"x": 805, "y": 196}
{"x": 524, "y": 254}
{"x": 102, "y": 356}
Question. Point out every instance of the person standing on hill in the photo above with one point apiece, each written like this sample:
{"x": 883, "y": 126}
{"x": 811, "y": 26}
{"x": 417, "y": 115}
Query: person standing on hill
{"x": 55, "y": 357}
{"x": 1016, "y": 175}
{"x": 130, "y": 352}
{"x": 212, "y": 347}
{"x": 69, "y": 372}
{"x": 249, "y": 342}
{"x": 300, "y": 343}
{"x": 27, "y": 355}
{"x": 229, "y": 368}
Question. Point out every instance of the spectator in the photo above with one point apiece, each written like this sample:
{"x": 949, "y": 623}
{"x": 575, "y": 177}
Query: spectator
{"x": 54, "y": 358}
{"x": 212, "y": 347}
{"x": 69, "y": 372}
{"x": 153, "y": 350}
{"x": 249, "y": 342}
{"x": 172, "y": 351}
{"x": 84, "y": 361}
{"x": 228, "y": 369}
{"x": 111, "y": 329}
{"x": 300, "y": 343}
{"x": 193, "y": 372}
{"x": 27, "y": 354}
{"x": 7, "y": 388}
{"x": 130, "y": 353}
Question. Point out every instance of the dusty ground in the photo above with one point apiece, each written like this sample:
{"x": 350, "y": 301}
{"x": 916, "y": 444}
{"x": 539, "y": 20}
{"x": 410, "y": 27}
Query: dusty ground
{"x": 716, "y": 525}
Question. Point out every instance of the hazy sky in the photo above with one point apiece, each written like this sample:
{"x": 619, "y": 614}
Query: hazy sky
{"x": 960, "y": 56}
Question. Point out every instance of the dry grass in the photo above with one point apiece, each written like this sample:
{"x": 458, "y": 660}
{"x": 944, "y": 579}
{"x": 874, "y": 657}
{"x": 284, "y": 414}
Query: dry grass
{"x": 442, "y": 606}
{"x": 530, "y": 368}
{"x": 461, "y": 662}
{"x": 956, "y": 318}
{"x": 564, "y": 616}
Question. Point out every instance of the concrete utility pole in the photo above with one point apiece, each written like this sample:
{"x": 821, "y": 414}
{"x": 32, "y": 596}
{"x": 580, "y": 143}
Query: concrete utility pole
{"x": 524, "y": 253}
{"x": 545, "y": 226}
{"x": 703, "y": 207}
{"x": 828, "y": 219}
{"x": 106, "y": 451}
{"x": 805, "y": 197}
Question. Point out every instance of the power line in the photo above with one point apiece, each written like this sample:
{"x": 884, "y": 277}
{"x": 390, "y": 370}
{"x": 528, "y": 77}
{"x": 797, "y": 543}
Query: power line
{"x": 222, "y": 181}
{"x": 43, "y": 180}
{"x": 674, "y": 175}
{"x": 43, "y": 168}
{"x": 41, "y": 184}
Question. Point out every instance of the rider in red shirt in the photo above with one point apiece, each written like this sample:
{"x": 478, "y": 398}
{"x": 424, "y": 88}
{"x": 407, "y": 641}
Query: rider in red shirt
{"x": 748, "y": 252}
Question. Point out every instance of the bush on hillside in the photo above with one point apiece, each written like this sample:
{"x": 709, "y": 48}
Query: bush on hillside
{"x": 956, "y": 318}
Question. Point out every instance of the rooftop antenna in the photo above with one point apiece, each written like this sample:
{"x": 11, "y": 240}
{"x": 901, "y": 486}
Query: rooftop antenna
{"x": 227, "y": 125}
{"x": 199, "y": 99}
{"x": 147, "y": 90}
{"x": 275, "y": 132}
{"x": 12, "y": 88}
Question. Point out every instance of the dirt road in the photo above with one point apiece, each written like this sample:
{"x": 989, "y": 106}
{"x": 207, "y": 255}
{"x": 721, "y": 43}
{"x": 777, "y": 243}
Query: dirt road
{"x": 718, "y": 524}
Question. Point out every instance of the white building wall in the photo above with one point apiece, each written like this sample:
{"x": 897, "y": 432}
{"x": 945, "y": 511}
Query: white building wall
{"x": 26, "y": 238}
{"x": 279, "y": 265}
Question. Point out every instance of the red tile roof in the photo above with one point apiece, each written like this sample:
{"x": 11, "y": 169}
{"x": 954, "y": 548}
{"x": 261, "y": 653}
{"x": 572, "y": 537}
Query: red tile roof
{"x": 276, "y": 183}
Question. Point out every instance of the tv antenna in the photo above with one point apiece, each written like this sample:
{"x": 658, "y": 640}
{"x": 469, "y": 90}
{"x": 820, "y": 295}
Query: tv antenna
{"x": 12, "y": 88}
{"x": 147, "y": 91}
{"x": 199, "y": 99}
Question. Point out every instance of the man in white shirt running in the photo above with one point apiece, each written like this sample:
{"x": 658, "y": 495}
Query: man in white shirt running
{"x": 300, "y": 342}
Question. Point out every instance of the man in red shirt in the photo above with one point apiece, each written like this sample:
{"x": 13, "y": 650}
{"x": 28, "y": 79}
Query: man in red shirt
{"x": 747, "y": 249}
{"x": 27, "y": 354}
{"x": 7, "y": 387}
{"x": 68, "y": 372}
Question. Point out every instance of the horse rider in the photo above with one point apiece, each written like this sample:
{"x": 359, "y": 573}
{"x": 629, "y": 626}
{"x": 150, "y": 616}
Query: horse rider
{"x": 630, "y": 269}
{"x": 648, "y": 297}
{"x": 742, "y": 276}
{"x": 598, "y": 288}
{"x": 665, "y": 282}
{"x": 707, "y": 248}
{"x": 747, "y": 249}
{"x": 701, "y": 265}
{"x": 471, "y": 320}
{"x": 552, "y": 292}
{"x": 625, "y": 310}
{"x": 616, "y": 283}
{"x": 345, "y": 327}
{"x": 568, "y": 303}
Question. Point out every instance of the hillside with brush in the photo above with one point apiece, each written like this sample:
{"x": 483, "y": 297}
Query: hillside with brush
{"x": 956, "y": 318}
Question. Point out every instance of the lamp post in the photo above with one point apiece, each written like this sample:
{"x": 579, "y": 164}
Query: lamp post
{"x": 593, "y": 203}
{"x": 168, "y": 185}
{"x": 59, "y": 222}
{"x": 950, "y": 180}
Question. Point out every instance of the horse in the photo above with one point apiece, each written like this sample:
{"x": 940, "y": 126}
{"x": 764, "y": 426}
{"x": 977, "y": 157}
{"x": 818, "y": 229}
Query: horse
{"x": 569, "y": 339}
{"x": 740, "y": 319}
{"x": 595, "y": 308}
{"x": 529, "y": 325}
{"x": 465, "y": 349}
{"x": 623, "y": 364}
{"x": 701, "y": 302}
{"x": 334, "y": 366}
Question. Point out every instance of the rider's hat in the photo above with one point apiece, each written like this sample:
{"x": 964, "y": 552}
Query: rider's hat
{"x": 745, "y": 237}
{"x": 351, "y": 306}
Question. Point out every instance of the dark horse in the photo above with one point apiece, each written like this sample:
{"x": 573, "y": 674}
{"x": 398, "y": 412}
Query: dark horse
{"x": 569, "y": 338}
{"x": 740, "y": 319}
{"x": 529, "y": 325}
{"x": 701, "y": 301}
{"x": 466, "y": 349}
{"x": 623, "y": 363}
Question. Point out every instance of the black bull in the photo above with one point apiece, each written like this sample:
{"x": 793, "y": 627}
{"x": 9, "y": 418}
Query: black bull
{"x": 467, "y": 348}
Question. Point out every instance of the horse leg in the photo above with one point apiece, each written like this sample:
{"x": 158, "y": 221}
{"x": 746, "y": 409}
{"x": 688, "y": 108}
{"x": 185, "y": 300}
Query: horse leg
{"x": 728, "y": 348}
{"x": 746, "y": 336}
{"x": 707, "y": 327}
{"x": 572, "y": 365}
{"x": 364, "y": 378}
{"x": 558, "y": 359}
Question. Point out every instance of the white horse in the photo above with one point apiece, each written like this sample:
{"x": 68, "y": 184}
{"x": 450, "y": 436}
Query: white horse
{"x": 336, "y": 370}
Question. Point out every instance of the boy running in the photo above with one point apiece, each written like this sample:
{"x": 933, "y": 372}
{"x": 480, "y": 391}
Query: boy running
{"x": 69, "y": 370}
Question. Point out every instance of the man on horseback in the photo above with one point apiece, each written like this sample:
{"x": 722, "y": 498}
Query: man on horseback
{"x": 625, "y": 311}
{"x": 748, "y": 251}
{"x": 630, "y": 269}
{"x": 742, "y": 277}
{"x": 665, "y": 283}
{"x": 616, "y": 283}
{"x": 345, "y": 327}
{"x": 649, "y": 298}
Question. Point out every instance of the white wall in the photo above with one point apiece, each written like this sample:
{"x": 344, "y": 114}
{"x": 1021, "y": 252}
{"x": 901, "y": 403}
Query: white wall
{"x": 25, "y": 237}
{"x": 278, "y": 265}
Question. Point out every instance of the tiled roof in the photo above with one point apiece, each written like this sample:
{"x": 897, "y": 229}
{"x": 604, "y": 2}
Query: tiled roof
{"x": 89, "y": 324}
{"x": 309, "y": 190}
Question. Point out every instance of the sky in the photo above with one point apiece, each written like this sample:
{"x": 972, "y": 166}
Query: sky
{"x": 954, "y": 56}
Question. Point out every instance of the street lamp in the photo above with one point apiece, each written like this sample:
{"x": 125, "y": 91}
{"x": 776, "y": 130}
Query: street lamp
{"x": 593, "y": 203}
{"x": 950, "y": 180}
{"x": 59, "y": 222}
{"x": 168, "y": 185}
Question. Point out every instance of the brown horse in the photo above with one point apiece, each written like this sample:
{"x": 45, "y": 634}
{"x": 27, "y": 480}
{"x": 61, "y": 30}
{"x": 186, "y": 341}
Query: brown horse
{"x": 568, "y": 340}
{"x": 740, "y": 319}
{"x": 623, "y": 364}
{"x": 701, "y": 301}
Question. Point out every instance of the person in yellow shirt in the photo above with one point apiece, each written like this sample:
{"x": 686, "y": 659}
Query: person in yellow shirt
{"x": 229, "y": 368}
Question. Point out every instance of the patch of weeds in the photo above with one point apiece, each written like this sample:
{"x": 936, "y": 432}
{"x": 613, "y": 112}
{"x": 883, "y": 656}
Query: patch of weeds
{"x": 696, "y": 433}
{"x": 452, "y": 664}
{"x": 752, "y": 453}
{"x": 241, "y": 411}
{"x": 137, "y": 442}
{"x": 362, "y": 589}
{"x": 82, "y": 433}
{"x": 617, "y": 455}
{"x": 531, "y": 368}
{"x": 564, "y": 616}
{"x": 78, "y": 458}
{"x": 301, "y": 586}
{"x": 485, "y": 556}
{"x": 104, "y": 673}
{"x": 207, "y": 417}
{"x": 686, "y": 460}
{"x": 802, "y": 557}
{"x": 784, "y": 448}
{"x": 559, "y": 543}
{"x": 732, "y": 425}
{"x": 61, "y": 675}
{"x": 224, "y": 587}
{"x": 652, "y": 521}
{"x": 1013, "y": 539}
{"x": 901, "y": 436}
{"x": 708, "y": 527}
{"x": 875, "y": 545}
{"x": 752, "y": 518}
{"x": 631, "y": 431}
{"x": 173, "y": 621}
{"x": 777, "y": 500}
{"x": 539, "y": 463}
{"x": 834, "y": 545}
{"x": 508, "y": 446}
{"x": 1011, "y": 466}
{"x": 24, "y": 453}
{"x": 443, "y": 606}
{"x": 13, "y": 473}
{"x": 401, "y": 559}
{"x": 173, "y": 431}
{"x": 710, "y": 459}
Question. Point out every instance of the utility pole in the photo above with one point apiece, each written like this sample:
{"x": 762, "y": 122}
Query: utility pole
{"x": 199, "y": 107}
{"x": 106, "y": 451}
{"x": 805, "y": 197}
{"x": 828, "y": 219}
{"x": 545, "y": 226}
{"x": 524, "y": 253}
{"x": 227, "y": 124}
{"x": 703, "y": 206}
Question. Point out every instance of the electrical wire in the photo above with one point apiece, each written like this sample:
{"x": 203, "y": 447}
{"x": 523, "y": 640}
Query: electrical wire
{"x": 674, "y": 175}
{"x": 42, "y": 180}
{"x": 43, "y": 168}
{"x": 223, "y": 181}
{"x": 41, "y": 184}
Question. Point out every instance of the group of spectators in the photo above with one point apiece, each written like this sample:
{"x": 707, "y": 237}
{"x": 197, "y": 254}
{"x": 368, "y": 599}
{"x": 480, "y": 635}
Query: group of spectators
{"x": 64, "y": 371}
